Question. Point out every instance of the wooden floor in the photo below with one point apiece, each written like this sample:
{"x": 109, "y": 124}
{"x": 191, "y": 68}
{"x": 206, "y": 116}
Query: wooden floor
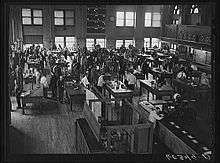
{"x": 50, "y": 132}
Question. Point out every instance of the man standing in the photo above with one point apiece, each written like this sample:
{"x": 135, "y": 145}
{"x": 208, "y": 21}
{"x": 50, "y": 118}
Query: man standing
{"x": 60, "y": 84}
{"x": 18, "y": 86}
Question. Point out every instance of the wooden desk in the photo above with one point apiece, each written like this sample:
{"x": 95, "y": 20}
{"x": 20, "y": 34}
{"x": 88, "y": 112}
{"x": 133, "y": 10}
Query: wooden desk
{"x": 162, "y": 56}
{"x": 188, "y": 87}
{"x": 155, "y": 91}
{"x": 173, "y": 137}
{"x": 75, "y": 95}
{"x": 157, "y": 73}
{"x": 34, "y": 96}
{"x": 120, "y": 94}
{"x": 30, "y": 79}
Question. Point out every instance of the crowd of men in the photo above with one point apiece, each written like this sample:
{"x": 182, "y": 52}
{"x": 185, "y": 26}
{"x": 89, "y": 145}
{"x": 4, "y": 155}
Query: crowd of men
{"x": 85, "y": 66}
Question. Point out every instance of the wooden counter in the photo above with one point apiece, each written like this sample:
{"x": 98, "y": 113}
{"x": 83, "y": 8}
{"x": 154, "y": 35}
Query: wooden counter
{"x": 75, "y": 95}
{"x": 159, "y": 93}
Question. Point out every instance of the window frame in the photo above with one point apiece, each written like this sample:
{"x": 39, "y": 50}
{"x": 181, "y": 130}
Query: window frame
{"x": 32, "y": 17}
{"x": 152, "y": 19}
{"x": 124, "y": 19}
{"x": 193, "y": 7}
{"x": 156, "y": 20}
{"x": 147, "y": 19}
{"x": 64, "y": 17}
{"x": 65, "y": 39}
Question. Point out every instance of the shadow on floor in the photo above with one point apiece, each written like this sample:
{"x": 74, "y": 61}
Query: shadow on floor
{"x": 17, "y": 141}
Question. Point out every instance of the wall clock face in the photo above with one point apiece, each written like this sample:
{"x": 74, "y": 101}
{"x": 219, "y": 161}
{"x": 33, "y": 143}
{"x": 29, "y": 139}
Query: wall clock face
{"x": 112, "y": 18}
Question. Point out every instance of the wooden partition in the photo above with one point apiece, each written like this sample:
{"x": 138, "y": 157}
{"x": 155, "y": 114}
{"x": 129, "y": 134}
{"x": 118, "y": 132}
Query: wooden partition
{"x": 86, "y": 141}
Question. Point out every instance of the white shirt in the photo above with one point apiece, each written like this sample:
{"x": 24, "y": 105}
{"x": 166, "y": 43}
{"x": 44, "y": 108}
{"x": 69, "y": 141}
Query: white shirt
{"x": 153, "y": 116}
{"x": 131, "y": 79}
{"x": 85, "y": 81}
{"x": 43, "y": 81}
{"x": 101, "y": 81}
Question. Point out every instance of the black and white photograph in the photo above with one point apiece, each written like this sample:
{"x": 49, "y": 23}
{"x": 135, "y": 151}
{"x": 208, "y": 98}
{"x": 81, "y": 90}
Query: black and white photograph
{"x": 111, "y": 79}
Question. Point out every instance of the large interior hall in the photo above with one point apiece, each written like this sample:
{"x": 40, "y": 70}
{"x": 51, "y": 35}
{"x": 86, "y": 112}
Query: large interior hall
{"x": 113, "y": 79}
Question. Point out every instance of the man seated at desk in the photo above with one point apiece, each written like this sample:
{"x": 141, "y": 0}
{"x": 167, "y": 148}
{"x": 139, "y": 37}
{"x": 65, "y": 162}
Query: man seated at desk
{"x": 101, "y": 82}
{"x": 131, "y": 79}
{"x": 85, "y": 81}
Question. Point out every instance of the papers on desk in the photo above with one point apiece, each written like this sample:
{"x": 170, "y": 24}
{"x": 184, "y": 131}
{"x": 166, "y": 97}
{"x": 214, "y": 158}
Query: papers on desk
{"x": 184, "y": 132}
{"x": 190, "y": 136}
{"x": 26, "y": 93}
{"x": 195, "y": 141}
{"x": 177, "y": 126}
{"x": 172, "y": 123}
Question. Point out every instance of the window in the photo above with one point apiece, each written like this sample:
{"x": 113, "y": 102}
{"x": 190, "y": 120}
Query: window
{"x": 152, "y": 19}
{"x": 101, "y": 42}
{"x": 120, "y": 19}
{"x": 37, "y": 16}
{"x": 29, "y": 45}
{"x": 125, "y": 19}
{"x": 59, "y": 41}
{"x": 175, "y": 21}
{"x": 58, "y": 18}
{"x": 26, "y": 16}
{"x": 69, "y": 17}
{"x": 155, "y": 42}
{"x": 147, "y": 19}
{"x": 176, "y": 10}
{"x": 146, "y": 42}
{"x": 119, "y": 43}
{"x": 130, "y": 19}
{"x": 30, "y": 16}
{"x": 156, "y": 20}
{"x": 71, "y": 43}
{"x": 194, "y": 9}
{"x": 129, "y": 42}
{"x": 90, "y": 43}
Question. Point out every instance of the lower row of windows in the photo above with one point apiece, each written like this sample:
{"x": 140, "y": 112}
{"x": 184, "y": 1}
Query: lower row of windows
{"x": 71, "y": 43}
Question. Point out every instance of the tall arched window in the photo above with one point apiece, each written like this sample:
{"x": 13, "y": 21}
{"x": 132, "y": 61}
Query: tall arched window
{"x": 176, "y": 10}
{"x": 194, "y": 9}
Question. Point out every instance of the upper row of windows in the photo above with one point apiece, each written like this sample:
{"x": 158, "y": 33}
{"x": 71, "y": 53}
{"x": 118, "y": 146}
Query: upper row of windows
{"x": 35, "y": 16}
{"x": 66, "y": 17}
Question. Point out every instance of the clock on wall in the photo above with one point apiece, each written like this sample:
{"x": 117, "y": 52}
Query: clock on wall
{"x": 112, "y": 19}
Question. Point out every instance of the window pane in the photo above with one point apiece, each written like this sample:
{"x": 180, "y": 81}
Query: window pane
{"x": 147, "y": 15}
{"x": 128, "y": 42}
{"x": 69, "y": 14}
{"x": 71, "y": 43}
{"x": 120, "y": 22}
{"x": 120, "y": 15}
{"x": 129, "y": 15}
{"x": 196, "y": 11}
{"x": 69, "y": 21}
{"x": 26, "y": 12}
{"x": 37, "y": 20}
{"x": 119, "y": 43}
{"x": 90, "y": 44}
{"x": 146, "y": 42}
{"x": 155, "y": 42}
{"x": 156, "y": 16}
{"x": 58, "y": 21}
{"x": 178, "y": 11}
{"x": 147, "y": 23}
{"x": 59, "y": 40}
{"x": 58, "y": 14}
{"x": 101, "y": 42}
{"x": 156, "y": 23}
{"x": 37, "y": 13}
{"x": 129, "y": 22}
{"x": 26, "y": 20}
